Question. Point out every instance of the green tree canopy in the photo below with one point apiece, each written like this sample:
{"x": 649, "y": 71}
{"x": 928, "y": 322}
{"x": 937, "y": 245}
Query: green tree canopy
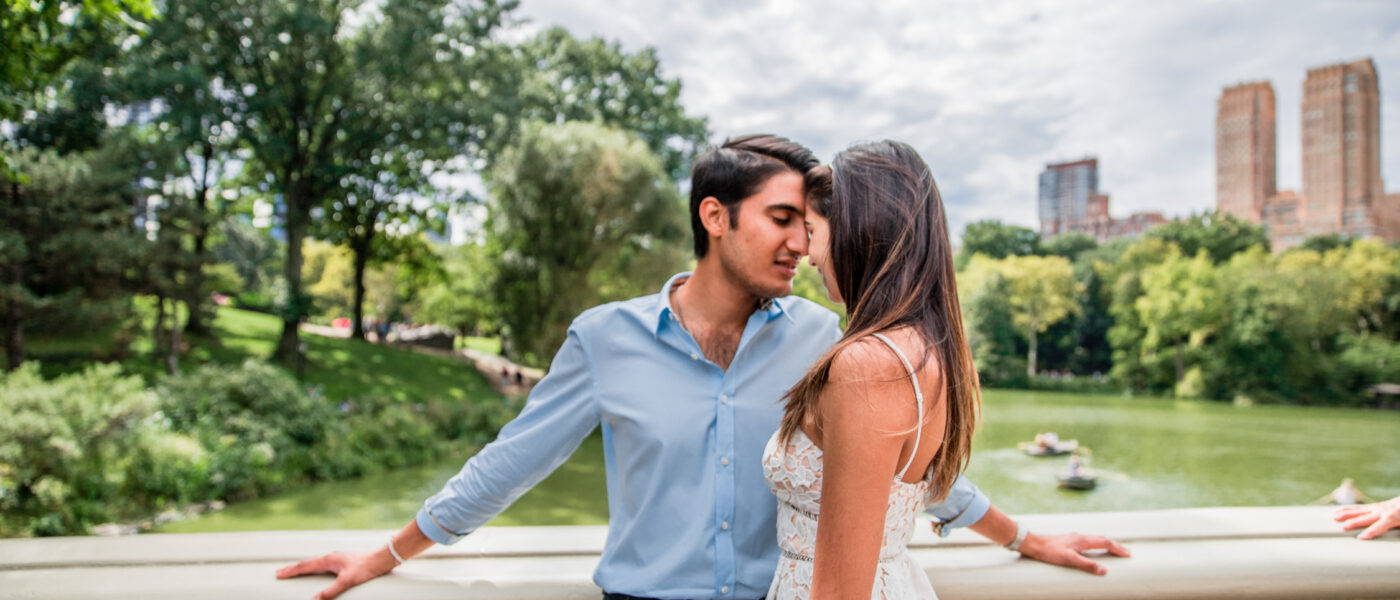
{"x": 995, "y": 239}
{"x": 574, "y": 207}
{"x": 1042, "y": 291}
{"x": 1069, "y": 245}
{"x": 1220, "y": 235}
{"x": 563, "y": 78}
{"x": 1180, "y": 304}
{"x": 66, "y": 242}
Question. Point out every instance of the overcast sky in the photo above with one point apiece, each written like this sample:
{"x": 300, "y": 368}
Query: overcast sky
{"x": 989, "y": 92}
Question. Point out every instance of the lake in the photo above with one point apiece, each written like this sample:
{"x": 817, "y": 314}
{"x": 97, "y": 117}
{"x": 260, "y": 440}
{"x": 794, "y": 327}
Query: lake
{"x": 1149, "y": 453}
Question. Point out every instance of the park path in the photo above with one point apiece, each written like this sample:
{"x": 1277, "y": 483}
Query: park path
{"x": 498, "y": 370}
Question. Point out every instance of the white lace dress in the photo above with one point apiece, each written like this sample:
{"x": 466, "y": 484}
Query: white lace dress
{"x": 794, "y": 473}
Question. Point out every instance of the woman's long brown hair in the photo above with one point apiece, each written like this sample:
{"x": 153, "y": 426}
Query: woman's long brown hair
{"x": 893, "y": 264}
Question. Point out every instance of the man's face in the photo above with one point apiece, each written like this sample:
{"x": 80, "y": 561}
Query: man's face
{"x": 761, "y": 253}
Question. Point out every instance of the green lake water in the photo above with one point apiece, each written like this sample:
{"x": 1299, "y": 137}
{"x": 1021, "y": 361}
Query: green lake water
{"x": 1149, "y": 453}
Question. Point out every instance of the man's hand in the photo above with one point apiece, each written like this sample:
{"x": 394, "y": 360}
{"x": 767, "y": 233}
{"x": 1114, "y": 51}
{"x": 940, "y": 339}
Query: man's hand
{"x": 1066, "y": 550}
{"x": 350, "y": 569}
{"x": 1377, "y": 518}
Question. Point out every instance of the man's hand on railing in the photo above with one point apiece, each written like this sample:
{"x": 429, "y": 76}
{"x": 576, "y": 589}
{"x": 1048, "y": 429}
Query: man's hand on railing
{"x": 354, "y": 568}
{"x": 350, "y": 569}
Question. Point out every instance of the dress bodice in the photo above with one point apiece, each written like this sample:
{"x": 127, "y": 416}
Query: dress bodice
{"x": 794, "y": 474}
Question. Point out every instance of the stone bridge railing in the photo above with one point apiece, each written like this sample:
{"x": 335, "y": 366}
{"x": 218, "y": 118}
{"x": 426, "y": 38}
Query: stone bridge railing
{"x": 1235, "y": 553}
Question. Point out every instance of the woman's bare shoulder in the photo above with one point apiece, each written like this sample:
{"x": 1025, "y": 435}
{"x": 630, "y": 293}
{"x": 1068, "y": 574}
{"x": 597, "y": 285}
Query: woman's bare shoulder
{"x": 869, "y": 370}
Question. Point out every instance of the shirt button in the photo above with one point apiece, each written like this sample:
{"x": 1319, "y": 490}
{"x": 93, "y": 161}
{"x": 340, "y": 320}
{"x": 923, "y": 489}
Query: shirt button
{"x": 723, "y": 399}
{"x": 724, "y": 526}
{"x": 724, "y": 590}
{"x": 694, "y": 356}
{"x": 724, "y": 461}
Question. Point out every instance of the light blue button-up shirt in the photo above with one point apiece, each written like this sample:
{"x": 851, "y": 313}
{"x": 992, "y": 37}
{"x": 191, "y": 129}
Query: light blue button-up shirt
{"x": 690, "y": 515}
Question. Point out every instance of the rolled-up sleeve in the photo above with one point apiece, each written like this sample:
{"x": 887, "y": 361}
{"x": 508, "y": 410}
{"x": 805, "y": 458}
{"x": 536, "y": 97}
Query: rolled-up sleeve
{"x": 964, "y": 506}
{"x": 561, "y": 411}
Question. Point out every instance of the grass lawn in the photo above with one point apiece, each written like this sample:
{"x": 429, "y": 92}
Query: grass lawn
{"x": 486, "y": 345}
{"x": 341, "y": 368}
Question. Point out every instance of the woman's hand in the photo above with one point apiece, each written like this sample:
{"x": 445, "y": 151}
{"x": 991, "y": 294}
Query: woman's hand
{"x": 1067, "y": 550}
{"x": 350, "y": 569}
{"x": 1377, "y": 518}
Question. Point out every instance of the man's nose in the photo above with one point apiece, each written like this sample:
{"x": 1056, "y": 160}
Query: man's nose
{"x": 798, "y": 243}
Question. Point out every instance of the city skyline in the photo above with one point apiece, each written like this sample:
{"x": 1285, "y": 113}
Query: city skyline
{"x": 991, "y": 93}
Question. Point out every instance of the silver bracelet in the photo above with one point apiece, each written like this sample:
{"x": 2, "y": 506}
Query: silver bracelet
{"x": 1015, "y": 545}
{"x": 392, "y": 552}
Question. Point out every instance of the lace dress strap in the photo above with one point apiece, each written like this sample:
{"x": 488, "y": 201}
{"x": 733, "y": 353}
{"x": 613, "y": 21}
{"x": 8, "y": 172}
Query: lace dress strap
{"x": 918, "y": 395}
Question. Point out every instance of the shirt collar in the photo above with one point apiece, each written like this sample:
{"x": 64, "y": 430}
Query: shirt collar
{"x": 661, "y": 311}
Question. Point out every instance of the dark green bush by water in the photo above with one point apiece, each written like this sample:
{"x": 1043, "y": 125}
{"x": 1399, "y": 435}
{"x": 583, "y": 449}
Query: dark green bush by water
{"x": 99, "y": 446}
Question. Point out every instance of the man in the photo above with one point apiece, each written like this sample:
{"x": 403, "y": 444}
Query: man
{"x": 686, "y": 385}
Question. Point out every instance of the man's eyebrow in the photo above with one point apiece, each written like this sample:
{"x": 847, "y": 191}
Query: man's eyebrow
{"x": 787, "y": 207}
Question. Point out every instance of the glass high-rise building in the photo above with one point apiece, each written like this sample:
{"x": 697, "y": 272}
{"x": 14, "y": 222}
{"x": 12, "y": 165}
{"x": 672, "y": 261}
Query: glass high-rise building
{"x": 1065, "y": 189}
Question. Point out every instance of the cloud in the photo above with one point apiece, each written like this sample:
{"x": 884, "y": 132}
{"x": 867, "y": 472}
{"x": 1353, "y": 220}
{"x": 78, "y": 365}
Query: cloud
{"x": 991, "y": 92}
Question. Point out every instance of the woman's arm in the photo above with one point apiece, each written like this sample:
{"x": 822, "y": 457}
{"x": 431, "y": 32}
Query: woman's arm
{"x": 867, "y": 414}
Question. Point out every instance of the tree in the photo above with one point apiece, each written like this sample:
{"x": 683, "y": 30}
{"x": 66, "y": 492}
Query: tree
{"x": 569, "y": 203}
{"x": 1369, "y": 268}
{"x": 65, "y": 240}
{"x": 375, "y": 202}
{"x": 252, "y": 252}
{"x": 562, "y": 78}
{"x": 312, "y": 92}
{"x": 1220, "y": 235}
{"x": 464, "y": 299}
{"x": 1180, "y": 304}
{"x": 983, "y": 294}
{"x": 1041, "y": 291}
{"x": 1069, "y": 245}
{"x": 1323, "y": 242}
{"x": 1133, "y": 366}
{"x": 39, "y": 39}
{"x": 183, "y": 101}
{"x": 994, "y": 239}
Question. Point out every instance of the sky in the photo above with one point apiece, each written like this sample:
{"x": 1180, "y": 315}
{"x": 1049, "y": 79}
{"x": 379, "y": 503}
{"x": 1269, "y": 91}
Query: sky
{"x": 990, "y": 92}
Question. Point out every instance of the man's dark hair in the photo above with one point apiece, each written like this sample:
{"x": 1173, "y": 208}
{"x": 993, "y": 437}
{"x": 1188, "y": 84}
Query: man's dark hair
{"x": 736, "y": 170}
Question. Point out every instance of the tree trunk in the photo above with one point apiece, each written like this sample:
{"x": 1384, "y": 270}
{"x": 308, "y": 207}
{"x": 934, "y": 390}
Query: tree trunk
{"x": 195, "y": 298}
{"x": 172, "y": 360}
{"x": 288, "y": 346}
{"x": 357, "y": 327}
{"x": 14, "y": 311}
{"x": 14, "y": 334}
{"x": 158, "y": 332}
{"x": 1030, "y": 361}
{"x": 1180, "y": 365}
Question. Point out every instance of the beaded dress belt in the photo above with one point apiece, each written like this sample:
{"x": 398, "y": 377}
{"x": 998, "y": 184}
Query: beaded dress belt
{"x": 803, "y": 557}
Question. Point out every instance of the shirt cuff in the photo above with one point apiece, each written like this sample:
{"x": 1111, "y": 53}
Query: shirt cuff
{"x": 434, "y": 531}
{"x": 969, "y": 516}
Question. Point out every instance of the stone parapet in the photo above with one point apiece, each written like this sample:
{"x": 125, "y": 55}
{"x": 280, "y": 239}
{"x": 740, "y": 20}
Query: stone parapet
{"x": 1239, "y": 553}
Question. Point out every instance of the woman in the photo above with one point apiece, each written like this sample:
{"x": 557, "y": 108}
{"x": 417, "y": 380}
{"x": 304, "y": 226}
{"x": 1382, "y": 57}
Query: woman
{"x": 888, "y": 413}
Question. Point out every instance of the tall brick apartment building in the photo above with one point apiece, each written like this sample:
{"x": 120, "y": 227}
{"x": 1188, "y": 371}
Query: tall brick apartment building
{"x": 1342, "y": 189}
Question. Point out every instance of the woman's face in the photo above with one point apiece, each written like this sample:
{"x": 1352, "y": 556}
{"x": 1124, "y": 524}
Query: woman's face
{"x": 819, "y": 252}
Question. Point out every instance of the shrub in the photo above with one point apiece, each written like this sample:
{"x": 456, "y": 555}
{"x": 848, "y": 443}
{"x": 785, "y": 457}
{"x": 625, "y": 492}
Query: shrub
{"x": 67, "y": 447}
{"x": 261, "y": 427}
{"x": 1080, "y": 384}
